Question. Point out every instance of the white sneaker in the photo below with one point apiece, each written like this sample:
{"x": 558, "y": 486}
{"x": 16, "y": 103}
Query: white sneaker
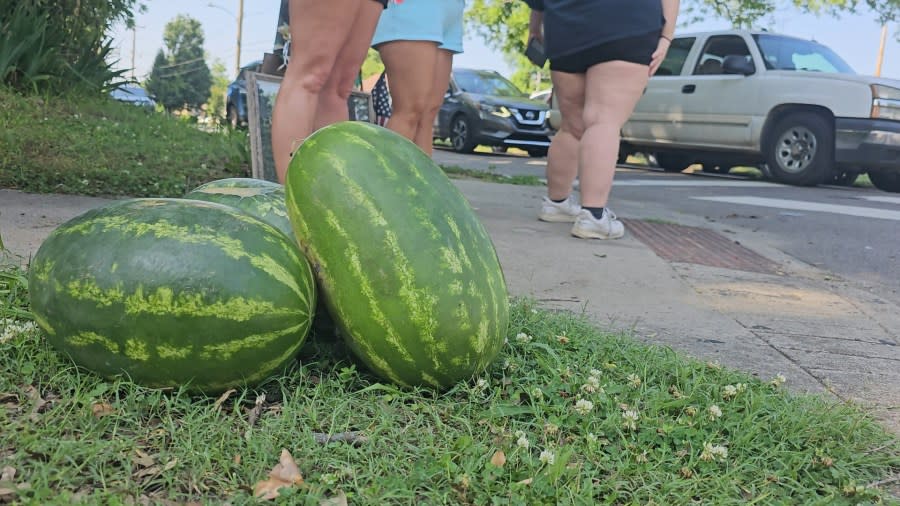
{"x": 565, "y": 211}
{"x": 607, "y": 227}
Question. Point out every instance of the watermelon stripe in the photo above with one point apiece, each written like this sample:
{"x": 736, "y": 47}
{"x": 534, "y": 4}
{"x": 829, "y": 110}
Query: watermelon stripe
{"x": 44, "y": 324}
{"x": 169, "y": 352}
{"x": 137, "y": 350}
{"x": 226, "y": 350}
{"x": 88, "y": 338}
{"x": 201, "y": 235}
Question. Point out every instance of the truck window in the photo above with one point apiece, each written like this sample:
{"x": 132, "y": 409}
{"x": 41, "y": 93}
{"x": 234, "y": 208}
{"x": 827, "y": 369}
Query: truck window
{"x": 715, "y": 51}
{"x": 675, "y": 58}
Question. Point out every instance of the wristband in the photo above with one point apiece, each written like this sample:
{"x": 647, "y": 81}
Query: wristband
{"x": 661, "y": 36}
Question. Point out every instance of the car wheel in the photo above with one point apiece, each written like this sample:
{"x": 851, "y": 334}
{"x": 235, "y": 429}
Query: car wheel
{"x": 800, "y": 150}
{"x": 232, "y": 117}
{"x": 461, "y": 135}
{"x": 885, "y": 180}
{"x": 673, "y": 162}
{"x": 537, "y": 153}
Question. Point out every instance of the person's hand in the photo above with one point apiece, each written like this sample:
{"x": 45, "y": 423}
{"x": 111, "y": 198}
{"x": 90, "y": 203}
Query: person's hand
{"x": 662, "y": 47}
{"x": 536, "y": 26}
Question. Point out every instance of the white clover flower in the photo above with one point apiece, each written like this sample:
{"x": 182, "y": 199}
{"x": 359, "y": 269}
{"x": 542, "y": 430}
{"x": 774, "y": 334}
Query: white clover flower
{"x": 778, "y": 380}
{"x": 547, "y": 457}
{"x": 551, "y": 428}
{"x": 596, "y": 372}
{"x": 630, "y": 418}
{"x": 592, "y": 385}
{"x": 729, "y": 392}
{"x": 591, "y": 438}
{"x": 562, "y": 339}
{"x": 714, "y": 412}
{"x": 584, "y": 406}
{"x": 523, "y": 337}
{"x": 481, "y": 384}
{"x": 12, "y": 328}
{"x": 713, "y": 452}
{"x": 634, "y": 380}
{"x": 523, "y": 442}
{"x": 741, "y": 387}
{"x": 537, "y": 394}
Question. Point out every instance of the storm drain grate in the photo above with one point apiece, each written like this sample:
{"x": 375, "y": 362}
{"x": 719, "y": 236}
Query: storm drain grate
{"x": 695, "y": 245}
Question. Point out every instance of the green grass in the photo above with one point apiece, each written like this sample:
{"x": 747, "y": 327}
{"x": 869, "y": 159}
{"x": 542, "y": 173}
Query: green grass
{"x": 581, "y": 416}
{"x": 103, "y": 147}
{"x": 462, "y": 173}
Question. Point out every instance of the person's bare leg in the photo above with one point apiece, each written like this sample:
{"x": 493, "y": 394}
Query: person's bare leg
{"x": 318, "y": 32}
{"x": 410, "y": 71}
{"x": 424, "y": 136}
{"x": 612, "y": 89}
{"x": 332, "y": 105}
{"x": 562, "y": 158}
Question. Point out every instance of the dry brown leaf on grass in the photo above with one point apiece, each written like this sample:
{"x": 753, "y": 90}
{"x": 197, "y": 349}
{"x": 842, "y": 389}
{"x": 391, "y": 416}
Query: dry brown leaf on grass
{"x": 101, "y": 409}
{"x": 142, "y": 459}
{"x": 222, "y": 398}
{"x": 155, "y": 470}
{"x": 39, "y": 402}
{"x": 284, "y": 474}
{"x": 499, "y": 458}
{"x": 339, "y": 500}
{"x": 8, "y": 488}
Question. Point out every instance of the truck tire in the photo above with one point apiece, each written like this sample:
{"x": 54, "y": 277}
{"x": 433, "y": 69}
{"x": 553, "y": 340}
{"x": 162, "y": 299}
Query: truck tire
{"x": 885, "y": 180}
{"x": 673, "y": 162}
{"x": 800, "y": 149}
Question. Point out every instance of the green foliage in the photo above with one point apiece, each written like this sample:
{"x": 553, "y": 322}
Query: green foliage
{"x": 180, "y": 76}
{"x": 97, "y": 146}
{"x": 372, "y": 64}
{"x": 642, "y": 439}
{"x": 215, "y": 106}
{"x": 59, "y": 46}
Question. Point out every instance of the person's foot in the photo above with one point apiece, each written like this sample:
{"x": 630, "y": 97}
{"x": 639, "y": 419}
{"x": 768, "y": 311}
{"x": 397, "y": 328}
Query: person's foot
{"x": 607, "y": 227}
{"x": 565, "y": 211}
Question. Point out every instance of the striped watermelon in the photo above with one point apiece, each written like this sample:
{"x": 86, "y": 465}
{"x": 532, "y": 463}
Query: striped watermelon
{"x": 261, "y": 198}
{"x": 173, "y": 293}
{"x": 404, "y": 265}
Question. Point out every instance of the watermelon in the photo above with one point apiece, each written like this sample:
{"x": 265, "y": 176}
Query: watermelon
{"x": 261, "y": 198}
{"x": 173, "y": 293}
{"x": 404, "y": 265}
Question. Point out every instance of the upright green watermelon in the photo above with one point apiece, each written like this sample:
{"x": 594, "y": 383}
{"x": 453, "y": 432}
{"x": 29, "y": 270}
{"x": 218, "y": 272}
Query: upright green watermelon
{"x": 405, "y": 266}
{"x": 261, "y": 198}
{"x": 173, "y": 292}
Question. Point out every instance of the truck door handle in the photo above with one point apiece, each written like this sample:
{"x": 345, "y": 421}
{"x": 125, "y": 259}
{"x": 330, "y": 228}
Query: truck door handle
{"x": 688, "y": 88}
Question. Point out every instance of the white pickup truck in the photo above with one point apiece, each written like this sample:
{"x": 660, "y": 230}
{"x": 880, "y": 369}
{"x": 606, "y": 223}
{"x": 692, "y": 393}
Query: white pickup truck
{"x": 790, "y": 106}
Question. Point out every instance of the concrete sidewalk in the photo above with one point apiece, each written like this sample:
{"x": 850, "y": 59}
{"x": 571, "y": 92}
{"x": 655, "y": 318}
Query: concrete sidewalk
{"x": 821, "y": 333}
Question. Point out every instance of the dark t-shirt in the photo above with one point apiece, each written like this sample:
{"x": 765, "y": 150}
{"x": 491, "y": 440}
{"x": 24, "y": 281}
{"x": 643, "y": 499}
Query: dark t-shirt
{"x": 573, "y": 25}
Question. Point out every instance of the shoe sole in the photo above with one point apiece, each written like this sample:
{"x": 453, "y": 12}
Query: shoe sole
{"x": 594, "y": 235}
{"x": 557, "y": 218}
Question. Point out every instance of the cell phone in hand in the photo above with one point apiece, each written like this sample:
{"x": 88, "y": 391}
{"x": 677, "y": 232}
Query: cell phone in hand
{"x": 535, "y": 52}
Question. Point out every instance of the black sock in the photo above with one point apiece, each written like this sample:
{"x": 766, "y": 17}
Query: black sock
{"x": 596, "y": 211}
{"x": 560, "y": 201}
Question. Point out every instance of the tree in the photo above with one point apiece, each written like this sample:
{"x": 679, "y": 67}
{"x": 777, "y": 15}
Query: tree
{"x": 503, "y": 24}
{"x": 215, "y": 106}
{"x": 180, "y": 76}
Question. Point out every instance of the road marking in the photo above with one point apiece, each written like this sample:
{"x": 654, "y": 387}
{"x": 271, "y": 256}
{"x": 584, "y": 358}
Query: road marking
{"x": 537, "y": 162}
{"x": 797, "y": 205}
{"x": 887, "y": 200}
{"x": 704, "y": 182}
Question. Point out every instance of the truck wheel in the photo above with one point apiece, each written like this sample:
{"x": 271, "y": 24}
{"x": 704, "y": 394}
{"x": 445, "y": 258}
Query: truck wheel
{"x": 800, "y": 150}
{"x": 461, "y": 135}
{"x": 673, "y": 162}
{"x": 885, "y": 180}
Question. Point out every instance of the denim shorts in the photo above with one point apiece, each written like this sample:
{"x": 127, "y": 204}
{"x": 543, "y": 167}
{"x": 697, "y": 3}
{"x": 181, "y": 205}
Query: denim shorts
{"x": 439, "y": 21}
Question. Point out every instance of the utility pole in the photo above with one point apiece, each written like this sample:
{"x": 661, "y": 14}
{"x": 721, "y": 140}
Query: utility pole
{"x": 133, "y": 44}
{"x": 880, "y": 59}
{"x": 240, "y": 26}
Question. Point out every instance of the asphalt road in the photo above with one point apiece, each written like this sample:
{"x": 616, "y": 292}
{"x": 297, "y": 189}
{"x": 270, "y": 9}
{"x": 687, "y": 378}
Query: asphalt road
{"x": 851, "y": 232}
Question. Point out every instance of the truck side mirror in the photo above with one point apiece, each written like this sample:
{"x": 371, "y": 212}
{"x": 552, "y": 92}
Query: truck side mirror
{"x": 737, "y": 64}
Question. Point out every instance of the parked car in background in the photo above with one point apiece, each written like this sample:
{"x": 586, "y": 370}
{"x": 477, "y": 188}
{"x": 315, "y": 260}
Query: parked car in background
{"x": 482, "y": 107}
{"x": 789, "y": 105}
{"x": 133, "y": 94}
{"x": 236, "y": 96}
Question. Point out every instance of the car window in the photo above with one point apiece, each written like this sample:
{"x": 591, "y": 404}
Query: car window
{"x": 486, "y": 83}
{"x": 788, "y": 53}
{"x": 715, "y": 51}
{"x": 675, "y": 58}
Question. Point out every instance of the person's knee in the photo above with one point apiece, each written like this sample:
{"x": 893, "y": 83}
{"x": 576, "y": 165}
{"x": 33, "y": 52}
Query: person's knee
{"x": 573, "y": 126}
{"x": 312, "y": 80}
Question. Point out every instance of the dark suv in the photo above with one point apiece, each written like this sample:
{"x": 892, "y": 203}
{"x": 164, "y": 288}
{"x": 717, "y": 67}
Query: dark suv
{"x": 236, "y": 96}
{"x": 482, "y": 107}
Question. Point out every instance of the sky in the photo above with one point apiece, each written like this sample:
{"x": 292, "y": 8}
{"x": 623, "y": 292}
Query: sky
{"x": 856, "y": 38}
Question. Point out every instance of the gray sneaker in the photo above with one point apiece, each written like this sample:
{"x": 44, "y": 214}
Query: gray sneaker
{"x": 565, "y": 211}
{"x": 607, "y": 227}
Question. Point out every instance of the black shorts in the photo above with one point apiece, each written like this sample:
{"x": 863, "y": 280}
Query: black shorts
{"x": 383, "y": 2}
{"x": 637, "y": 49}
